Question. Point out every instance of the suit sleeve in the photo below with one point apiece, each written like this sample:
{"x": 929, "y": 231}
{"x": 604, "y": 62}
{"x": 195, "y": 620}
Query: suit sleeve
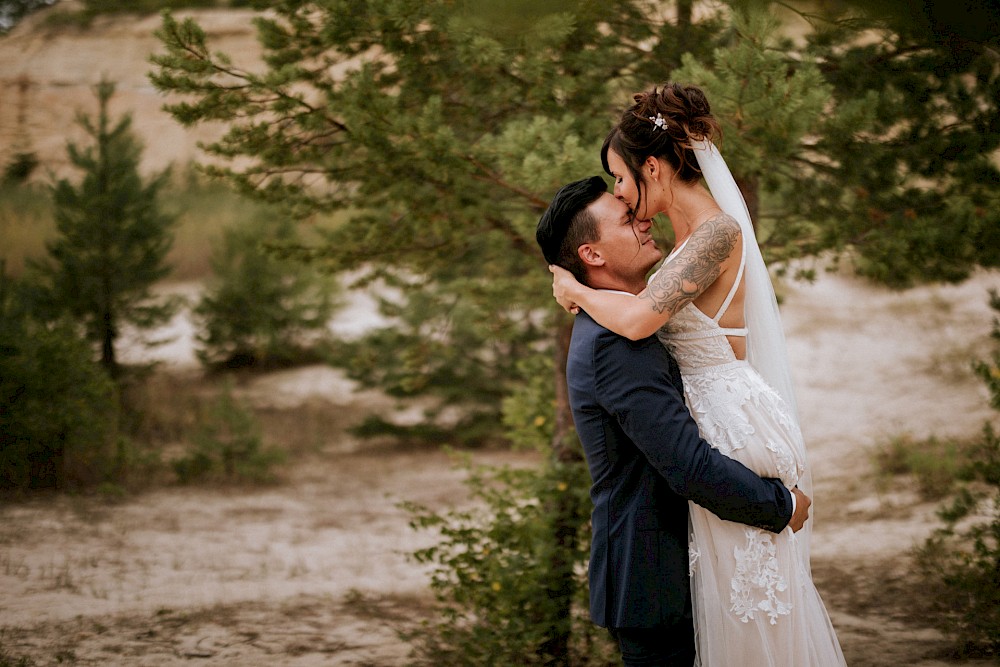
{"x": 634, "y": 385}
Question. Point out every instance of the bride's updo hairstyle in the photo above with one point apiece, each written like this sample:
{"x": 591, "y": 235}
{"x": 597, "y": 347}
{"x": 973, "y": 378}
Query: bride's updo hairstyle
{"x": 662, "y": 123}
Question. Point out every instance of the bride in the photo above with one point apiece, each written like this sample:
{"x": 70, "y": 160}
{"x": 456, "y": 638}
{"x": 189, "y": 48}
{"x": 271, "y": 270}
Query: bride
{"x": 712, "y": 305}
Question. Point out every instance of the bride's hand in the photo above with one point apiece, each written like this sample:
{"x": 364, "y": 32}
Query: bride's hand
{"x": 563, "y": 284}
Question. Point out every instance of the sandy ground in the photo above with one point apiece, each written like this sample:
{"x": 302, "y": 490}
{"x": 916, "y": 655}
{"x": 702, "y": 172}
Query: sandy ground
{"x": 314, "y": 572}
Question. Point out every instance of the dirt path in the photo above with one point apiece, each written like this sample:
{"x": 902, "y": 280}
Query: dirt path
{"x": 313, "y": 572}
{"x": 304, "y": 573}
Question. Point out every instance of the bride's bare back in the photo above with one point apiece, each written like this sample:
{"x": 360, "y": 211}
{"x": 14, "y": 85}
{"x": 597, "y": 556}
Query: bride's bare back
{"x": 702, "y": 270}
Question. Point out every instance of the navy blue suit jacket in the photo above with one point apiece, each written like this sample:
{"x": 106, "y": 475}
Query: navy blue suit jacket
{"x": 646, "y": 460}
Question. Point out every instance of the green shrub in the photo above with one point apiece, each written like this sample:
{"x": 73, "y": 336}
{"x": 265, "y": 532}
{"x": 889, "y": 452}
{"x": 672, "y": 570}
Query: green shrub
{"x": 58, "y": 409}
{"x": 936, "y": 464}
{"x": 227, "y": 446}
{"x": 491, "y": 571}
{"x": 960, "y": 562}
{"x": 205, "y": 209}
{"x": 529, "y": 413}
{"x": 509, "y": 574}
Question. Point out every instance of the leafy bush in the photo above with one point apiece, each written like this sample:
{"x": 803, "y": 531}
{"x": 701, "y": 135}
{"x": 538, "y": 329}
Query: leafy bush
{"x": 936, "y": 464}
{"x": 59, "y": 420}
{"x": 509, "y": 574}
{"x": 492, "y": 571}
{"x": 529, "y": 413}
{"x": 227, "y": 446}
{"x": 960, "y": 563}
{"x": 205, "y": 209}
{"x": 460, "y": 353}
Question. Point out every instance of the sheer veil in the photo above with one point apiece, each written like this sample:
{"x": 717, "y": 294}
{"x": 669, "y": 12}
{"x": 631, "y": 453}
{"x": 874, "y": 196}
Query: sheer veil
{"x": 725, "y": 574}
{"x": 766, "y": 349}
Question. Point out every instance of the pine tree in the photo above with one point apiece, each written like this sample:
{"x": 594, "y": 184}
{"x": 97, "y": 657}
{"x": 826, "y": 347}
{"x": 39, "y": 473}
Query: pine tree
{"x": 112, "y": 238}
{"x": 444, "y": 128}
{"x": 768, "y": 106}
{"x": 445, "y": 132}
{"x": 903, "y": 171}
{"x": 260, "y": 309}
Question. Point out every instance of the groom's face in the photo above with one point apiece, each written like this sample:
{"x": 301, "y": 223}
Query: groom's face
{"x": 626, "y": 247}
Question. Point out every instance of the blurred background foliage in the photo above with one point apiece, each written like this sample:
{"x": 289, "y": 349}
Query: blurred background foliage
{"x": 862, "y": 134}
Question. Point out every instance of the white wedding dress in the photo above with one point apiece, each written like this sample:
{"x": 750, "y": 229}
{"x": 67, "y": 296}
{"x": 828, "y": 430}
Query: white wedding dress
{"x": 752, "y": 591}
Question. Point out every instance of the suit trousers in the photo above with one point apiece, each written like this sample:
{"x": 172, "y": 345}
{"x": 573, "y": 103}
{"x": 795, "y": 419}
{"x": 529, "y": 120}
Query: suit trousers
{"x": 660, "y": 646}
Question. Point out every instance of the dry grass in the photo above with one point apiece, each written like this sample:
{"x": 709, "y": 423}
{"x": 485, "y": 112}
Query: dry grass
{"x": 203, "y": 211}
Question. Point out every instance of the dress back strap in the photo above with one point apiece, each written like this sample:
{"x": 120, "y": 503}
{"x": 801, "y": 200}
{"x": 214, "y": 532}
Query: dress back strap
{"x": 740, "y": 332}
{"x": 736, "y": 285}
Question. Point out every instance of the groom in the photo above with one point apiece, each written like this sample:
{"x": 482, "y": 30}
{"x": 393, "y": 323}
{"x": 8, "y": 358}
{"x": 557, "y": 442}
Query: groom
{"x": 642, "y": 446}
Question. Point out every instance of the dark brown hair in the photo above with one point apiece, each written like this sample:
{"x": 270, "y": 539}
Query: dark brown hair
{"x": 568, "y": 223}
{"x": 686, "y": 117}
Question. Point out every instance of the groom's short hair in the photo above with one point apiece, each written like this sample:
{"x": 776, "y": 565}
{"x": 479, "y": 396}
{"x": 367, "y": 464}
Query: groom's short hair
{"x": 568, "y": 223}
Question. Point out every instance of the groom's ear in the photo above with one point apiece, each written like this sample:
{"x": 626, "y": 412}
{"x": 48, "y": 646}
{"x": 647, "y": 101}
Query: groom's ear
{"x": 590, "y": 255}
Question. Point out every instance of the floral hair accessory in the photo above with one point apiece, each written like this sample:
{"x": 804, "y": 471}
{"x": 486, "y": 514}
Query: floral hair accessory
{"x": 659, "y": 121}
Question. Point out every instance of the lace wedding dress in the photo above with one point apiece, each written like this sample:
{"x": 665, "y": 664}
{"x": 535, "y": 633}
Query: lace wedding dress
{"x": 752, "y": 592}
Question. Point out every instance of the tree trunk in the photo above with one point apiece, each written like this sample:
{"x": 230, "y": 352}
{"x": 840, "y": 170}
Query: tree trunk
{"x": 750, "y": 187}
{"x": 108, "y": 344}
{"x": 564, "y": 448}
{"x": 684, "y": 12}
{"x": 565, "y": 451}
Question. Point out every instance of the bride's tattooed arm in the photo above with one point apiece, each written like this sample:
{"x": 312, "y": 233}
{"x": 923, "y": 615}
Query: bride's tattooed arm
{"x": 695, "y": 267}
{"x": 677, "y": 283}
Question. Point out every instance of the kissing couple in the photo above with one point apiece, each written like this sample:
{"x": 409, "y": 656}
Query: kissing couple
{"x": 682, "y": 399}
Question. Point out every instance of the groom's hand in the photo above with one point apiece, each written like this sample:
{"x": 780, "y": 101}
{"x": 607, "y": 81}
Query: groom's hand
{"x": 802, "y": 503}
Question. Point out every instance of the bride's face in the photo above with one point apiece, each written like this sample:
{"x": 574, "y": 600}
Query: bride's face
{"x": 626, "y": 188}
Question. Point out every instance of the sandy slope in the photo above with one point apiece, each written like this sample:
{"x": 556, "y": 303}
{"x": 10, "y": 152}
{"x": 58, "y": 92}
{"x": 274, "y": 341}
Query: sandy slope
{"x": 47, "y": 75}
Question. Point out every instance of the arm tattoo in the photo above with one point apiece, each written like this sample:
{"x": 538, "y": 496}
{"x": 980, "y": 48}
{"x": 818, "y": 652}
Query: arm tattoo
{"x": 698, "y": 265}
